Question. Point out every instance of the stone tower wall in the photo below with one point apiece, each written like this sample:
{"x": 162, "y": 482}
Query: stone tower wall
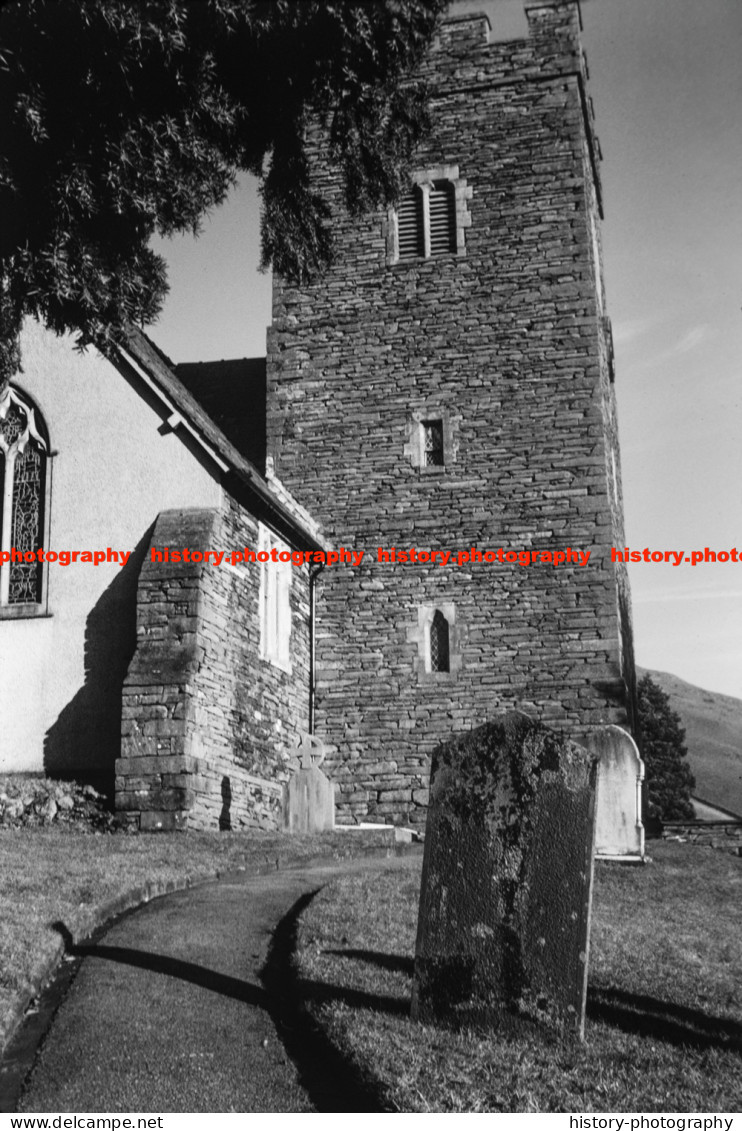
{"x": 506, "y": 342}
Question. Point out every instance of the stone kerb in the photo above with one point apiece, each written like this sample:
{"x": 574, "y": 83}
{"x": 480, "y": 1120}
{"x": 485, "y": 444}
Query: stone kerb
{"x": 503, "y": 931}
{"x": 619, "y": 831}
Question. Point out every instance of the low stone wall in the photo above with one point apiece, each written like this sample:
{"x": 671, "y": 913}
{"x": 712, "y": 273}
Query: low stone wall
{"x": 726, "y": 835}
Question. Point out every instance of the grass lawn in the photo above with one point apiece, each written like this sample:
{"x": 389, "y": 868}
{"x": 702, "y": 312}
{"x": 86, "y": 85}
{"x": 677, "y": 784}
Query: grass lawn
{"x": 664, "y": 1029}
{"x": 68, "y": 874}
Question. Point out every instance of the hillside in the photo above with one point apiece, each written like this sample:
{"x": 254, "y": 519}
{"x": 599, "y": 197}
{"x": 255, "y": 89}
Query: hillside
{"x": 713, "y": 725}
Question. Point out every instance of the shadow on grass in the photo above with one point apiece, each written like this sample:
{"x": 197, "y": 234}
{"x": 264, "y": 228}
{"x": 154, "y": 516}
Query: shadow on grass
{"x": 335, "y": 1083}
{"x": 332, "y": 1083}
{"x": 662, "y": 1020}
{"x": 632, "y": 1013}
{"x": 173, "y": 967}
{"x": 331, "y": 1080}
{"x": 397, "y": 963}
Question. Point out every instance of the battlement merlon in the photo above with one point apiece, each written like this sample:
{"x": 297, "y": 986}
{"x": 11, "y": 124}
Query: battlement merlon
{"x": 467, "y": 56}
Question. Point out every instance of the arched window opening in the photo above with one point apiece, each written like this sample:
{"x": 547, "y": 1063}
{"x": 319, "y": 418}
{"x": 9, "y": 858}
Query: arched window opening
{"x": 439, "y": 643}
{"x": 430, "y": 219}
{"x": 426, "y": 221}
{"x": 23, "y": 456}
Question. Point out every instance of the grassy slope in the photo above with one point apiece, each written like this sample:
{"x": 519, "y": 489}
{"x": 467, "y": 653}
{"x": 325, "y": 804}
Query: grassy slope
{"x": 713, "y": 725}
{"x": 666, "y": 955}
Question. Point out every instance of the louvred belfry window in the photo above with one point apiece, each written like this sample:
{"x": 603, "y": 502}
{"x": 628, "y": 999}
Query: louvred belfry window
{"x": 442, "y": 208}
{"x": 23, "y": 452}
{"x": 439, "y": 643}
{"x": 410, "y": 225}
{"x": 426, "y": 221}
{"x": 430, "y": 220}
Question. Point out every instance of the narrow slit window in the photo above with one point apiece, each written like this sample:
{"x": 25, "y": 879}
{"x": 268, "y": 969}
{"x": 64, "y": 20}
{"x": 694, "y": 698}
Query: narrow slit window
{"x": 439, "y": 643}
{"x": 433, "y": 443}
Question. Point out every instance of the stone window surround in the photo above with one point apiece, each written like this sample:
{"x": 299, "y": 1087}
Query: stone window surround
{"x": 414, "y": 448}
{"x": 419, "y": 634}
{"x": 37, "y": 430}
{"x": 274, "y": 603}
{"x": 424, "y": 179}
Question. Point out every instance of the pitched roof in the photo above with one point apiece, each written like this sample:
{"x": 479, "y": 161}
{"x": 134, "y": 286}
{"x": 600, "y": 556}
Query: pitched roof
{"x": 233, "y": 393}
{"x": 272, "y": 504}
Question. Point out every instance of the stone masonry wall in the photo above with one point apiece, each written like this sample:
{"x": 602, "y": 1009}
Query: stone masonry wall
{"x": 504, "y": 341}
{"x": 207, "y": 725}
{"x": 724, "y": 835}
{"x": 626, "y": 688}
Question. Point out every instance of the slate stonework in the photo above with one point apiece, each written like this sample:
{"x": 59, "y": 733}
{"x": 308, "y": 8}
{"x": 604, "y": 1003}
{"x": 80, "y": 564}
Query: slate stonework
{"x": 207, "y": 725}
{"x": 507, "y": 343}
{"x": 504, "y": 923}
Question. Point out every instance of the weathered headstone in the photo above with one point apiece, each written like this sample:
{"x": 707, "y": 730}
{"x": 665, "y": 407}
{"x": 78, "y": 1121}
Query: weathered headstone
{"x": 309, "y": 795}
{"x": 504, "y": 920}
{"x": 619, "y": 831}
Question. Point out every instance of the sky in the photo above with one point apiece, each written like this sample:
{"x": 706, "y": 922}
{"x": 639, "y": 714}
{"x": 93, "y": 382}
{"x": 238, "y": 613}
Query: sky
{"x": 666, "y": 82}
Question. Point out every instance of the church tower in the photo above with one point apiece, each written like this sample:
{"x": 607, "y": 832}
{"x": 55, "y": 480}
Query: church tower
{"x": 448, "y": 387}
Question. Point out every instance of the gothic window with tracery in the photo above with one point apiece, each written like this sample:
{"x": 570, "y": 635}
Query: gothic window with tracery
{"x": 439, "y": 643}
{"x": 23, "y": 454}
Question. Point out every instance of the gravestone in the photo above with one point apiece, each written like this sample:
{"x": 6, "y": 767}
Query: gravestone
{"x": 504, "y": 921}
{"x": 619, "y": 831}
{"x": 309, "y": 795}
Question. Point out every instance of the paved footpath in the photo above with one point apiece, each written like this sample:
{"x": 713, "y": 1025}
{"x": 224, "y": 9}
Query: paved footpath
{"x": 168, "y": 1011}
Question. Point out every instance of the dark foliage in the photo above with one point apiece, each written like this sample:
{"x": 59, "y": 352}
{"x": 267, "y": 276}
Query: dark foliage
{"x": 669, "y": 779}
{"x": 122, "y": 118}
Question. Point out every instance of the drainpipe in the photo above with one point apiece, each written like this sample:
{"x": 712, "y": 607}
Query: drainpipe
{"x": 314, "y": 573}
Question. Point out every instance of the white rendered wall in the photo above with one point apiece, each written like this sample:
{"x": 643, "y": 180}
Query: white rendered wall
{"x": 112, "y": 474}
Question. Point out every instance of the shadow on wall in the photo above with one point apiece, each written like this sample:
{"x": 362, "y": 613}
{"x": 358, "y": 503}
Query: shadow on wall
{"x": 85, "y": 741}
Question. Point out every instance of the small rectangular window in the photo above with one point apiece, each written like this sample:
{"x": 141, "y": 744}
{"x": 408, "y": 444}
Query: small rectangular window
{"x": 275, "y": 602}
{"x": 432, "y": 443}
